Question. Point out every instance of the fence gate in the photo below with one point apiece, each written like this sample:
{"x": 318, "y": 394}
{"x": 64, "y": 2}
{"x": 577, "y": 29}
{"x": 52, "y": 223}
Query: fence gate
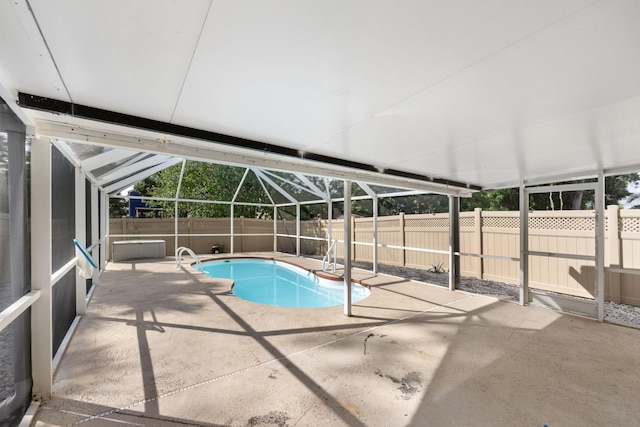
{"x": 591, "y": 305}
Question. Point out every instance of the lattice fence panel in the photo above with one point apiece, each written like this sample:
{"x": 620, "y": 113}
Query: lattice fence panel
{"x": 426, "y": 222}
{"x": 467, "y": 222}
{"x": 631, "y": 225}
{"x": 501, "y": 222}
{"x": 564, "y": 223}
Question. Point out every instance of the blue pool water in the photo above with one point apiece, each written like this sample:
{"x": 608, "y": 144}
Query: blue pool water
{"x": 278, "y": 283}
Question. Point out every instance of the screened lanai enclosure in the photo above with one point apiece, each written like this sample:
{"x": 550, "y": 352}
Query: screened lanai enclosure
{"x": 298, "y": 130}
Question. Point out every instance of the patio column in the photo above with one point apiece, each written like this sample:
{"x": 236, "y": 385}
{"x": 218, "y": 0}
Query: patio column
{"x": 175, "y": 228}
{"x": 231, "y": 229}
{"x": 96, "y": 224}
{"x": 104, "y": 226}
{"x": 275, "y": 229}
{"x": 375, "y": 234}
{"x": 454, "y": 242}
{"x": 524, "y": 246}
{"x": 347, "y": 248}
{"x": 297, "y": 229}
{"x": 81, "y": 236}
{"x": 41, "y": 311}
{"x": 99, "y": 231}
{"x": 175, "y": 206}
{"x": 599, "y": 207}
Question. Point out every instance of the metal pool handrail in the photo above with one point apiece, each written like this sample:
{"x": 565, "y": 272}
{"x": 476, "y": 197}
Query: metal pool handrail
{"x": 328, "y": 255}
{"x": 179, "y": 253}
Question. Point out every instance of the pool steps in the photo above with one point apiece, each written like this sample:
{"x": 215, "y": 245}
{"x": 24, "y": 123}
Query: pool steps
{"x": 182, "y": 250}
{"x": 327, "y": 257}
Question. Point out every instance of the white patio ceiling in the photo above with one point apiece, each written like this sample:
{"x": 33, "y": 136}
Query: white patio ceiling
{"x": 482, "y": 94}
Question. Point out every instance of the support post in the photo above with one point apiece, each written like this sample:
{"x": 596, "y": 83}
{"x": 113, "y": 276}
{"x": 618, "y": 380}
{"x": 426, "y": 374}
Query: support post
{"x": 613, "y": 236}
{"x": 454, "y": 242}
{"x": 347, "y": 248}
{"x": 81, "y": 236}
{"x": 175, "y": 206}
{"x": 104, "y": 227}
{"x": 524, "y": 246}
{"x": 242, "y": 246}
{"x": 329, "y": 225}
{"x": 231, "y": 247}
{"x": 41, "y": 311}
{"x": 599, "y": 205}
{"x": 477, "y": 222}
{"x": 95, "y": 230}
{"x": 375, "y": 235}
{"x": 403, "y": 239}
{"x": 275, "y": 229}
{"x": 297, "y": 229}
{"x": 354, "y": 252}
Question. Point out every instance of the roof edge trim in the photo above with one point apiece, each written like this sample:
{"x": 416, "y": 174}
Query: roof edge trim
{"x": 91, "y": 113}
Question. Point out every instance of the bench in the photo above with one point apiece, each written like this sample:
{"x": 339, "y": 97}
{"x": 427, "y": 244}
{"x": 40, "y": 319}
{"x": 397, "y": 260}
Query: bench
{"x": 126, "y": 250}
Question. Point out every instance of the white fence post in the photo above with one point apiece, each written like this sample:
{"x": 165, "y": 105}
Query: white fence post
{"x": 613, "y": 234}
{"x": 402, "y": 238}
{"x": 477, "y": 234}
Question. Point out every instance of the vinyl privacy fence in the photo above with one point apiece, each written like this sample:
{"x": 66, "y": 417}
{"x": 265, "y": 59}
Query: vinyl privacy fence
{"x": 402, "y": 240}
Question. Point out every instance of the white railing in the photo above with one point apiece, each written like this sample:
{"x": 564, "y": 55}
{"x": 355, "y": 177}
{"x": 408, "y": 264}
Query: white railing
{"x": 327, "y": 257}
{"x": 182, "y": 250}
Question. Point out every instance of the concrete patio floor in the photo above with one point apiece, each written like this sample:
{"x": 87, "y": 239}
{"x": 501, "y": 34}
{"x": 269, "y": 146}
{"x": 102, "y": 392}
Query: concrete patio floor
{"x": 160, "y": 347}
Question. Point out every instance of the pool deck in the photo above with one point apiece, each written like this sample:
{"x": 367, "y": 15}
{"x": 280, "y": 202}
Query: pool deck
{"x": 161, "y": 347}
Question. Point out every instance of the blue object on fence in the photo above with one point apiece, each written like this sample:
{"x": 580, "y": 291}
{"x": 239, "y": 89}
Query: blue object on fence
{"x": 85, "y": 253}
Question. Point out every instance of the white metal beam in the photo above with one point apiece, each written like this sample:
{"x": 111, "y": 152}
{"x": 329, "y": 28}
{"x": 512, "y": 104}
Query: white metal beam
{"x": 264, "y": 188}
{"x": 374, "y": 201}
{"x": 269, "y": 181}
{"x": 244, "y": 176}
{"x": 318, "y": 192}
{"x": 561, "y": 188}
{"x": 219, "y": 153}
{"x": 293, "y": 184}
{"x": 140, "y": 176}
{"x": 67, "y": 152}
{"x": 103, "y": 159}
{"x": 175, "y": 207}
{"x": 14, "y": 311}
{"x": 347, "y": 248}
{"x": 132, "y": 168}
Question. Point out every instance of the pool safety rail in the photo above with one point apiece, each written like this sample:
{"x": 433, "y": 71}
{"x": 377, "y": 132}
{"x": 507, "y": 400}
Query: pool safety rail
{"x": 182, "y": 250}
{"x": 327, "y": 257}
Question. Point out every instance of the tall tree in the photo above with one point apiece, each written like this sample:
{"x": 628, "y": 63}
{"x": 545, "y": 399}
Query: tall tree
{"x": 205, "y": 181}
{"x": 616, "y": 190}
{"x": 118, "y": 207}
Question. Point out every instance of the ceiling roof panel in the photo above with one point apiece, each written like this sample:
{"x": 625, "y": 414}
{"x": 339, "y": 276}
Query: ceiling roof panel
{"x": 130, "y": 57}
{"x": 486, "y": 93}
{"x": 24, "y": 58}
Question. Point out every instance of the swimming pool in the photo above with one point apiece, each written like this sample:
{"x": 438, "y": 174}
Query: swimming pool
{"x": 278, "y": 283}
